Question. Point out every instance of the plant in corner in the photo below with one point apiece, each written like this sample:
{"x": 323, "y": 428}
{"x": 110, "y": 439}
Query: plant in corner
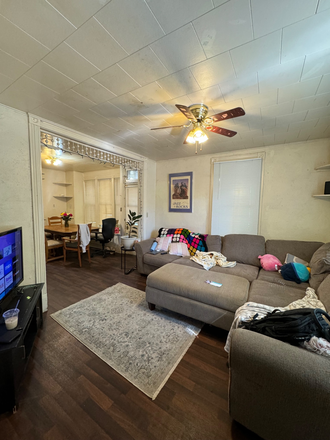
{"x": 131, "y": 227}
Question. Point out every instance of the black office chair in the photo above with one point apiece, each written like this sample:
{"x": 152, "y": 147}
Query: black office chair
{"x": 108, "y": 232}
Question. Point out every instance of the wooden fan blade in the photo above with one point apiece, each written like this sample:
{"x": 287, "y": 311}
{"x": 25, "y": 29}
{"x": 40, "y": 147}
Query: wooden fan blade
{"x": 186, "y": 111}
{"x": 220, "y": 130}
{"x": 229, "y": 114}
{"x": 169, "y": 126}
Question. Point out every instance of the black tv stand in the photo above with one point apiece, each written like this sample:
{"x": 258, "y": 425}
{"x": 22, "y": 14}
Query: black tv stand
{"x": 16, "y": 345}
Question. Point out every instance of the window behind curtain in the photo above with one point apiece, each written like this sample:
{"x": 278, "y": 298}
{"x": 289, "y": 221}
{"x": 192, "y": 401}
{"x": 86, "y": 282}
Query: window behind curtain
{"x": 106, "y": 208}
{"x": 236, "y": 197}
{"x": 89, "y": 205}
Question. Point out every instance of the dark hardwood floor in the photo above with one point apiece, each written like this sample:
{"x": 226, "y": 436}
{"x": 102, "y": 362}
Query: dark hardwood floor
{"x": 69, "y": 393}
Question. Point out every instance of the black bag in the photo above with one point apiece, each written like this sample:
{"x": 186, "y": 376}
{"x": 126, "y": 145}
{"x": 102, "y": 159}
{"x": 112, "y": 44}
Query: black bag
{"x": 292, "y": 326}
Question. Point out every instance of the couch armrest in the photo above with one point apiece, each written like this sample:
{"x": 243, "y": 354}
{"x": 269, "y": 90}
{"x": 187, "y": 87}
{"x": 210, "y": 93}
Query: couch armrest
{"x": 142, "y": 248}
{"x": 277, "y": 390}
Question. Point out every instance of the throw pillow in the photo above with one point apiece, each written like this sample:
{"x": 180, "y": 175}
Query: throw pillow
{"x": 163, "y": 243}
{"x": 295, "y": 272}
{"x": 293, "y": 259}
{"x": 269, "y": 262}
{"x": 323, "y": 292}
{"x": 320, "y": 265}
{"x": 180, "y": 249}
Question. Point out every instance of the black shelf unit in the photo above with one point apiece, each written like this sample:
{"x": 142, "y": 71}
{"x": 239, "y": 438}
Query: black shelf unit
{"x": 16, "y": 345}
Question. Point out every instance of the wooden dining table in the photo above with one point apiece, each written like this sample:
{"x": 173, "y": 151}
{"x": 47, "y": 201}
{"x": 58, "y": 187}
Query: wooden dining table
{"x": 61, "y": 230}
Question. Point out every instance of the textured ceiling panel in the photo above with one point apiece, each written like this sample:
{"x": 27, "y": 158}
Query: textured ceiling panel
{"x": 115, "y": 69}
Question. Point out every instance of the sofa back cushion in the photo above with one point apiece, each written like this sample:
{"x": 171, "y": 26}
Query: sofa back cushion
{"x": 323, "y": 292}
{"x": 213, "y": 243}
{"x": 300, "y": 249}
{"x": 243, "y": 248}
{"x": 320, "y": 265}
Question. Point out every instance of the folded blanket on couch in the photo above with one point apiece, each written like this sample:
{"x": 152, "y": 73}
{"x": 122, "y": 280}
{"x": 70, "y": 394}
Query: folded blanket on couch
{"x": 211, "y": 259}
{"x": 194, "y": 241}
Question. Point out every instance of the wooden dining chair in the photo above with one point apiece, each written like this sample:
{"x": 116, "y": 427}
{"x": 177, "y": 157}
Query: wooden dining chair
{"x": 74, "y": 244}
{"x": 55, "y": 220}
{"x": 51, "y": 247}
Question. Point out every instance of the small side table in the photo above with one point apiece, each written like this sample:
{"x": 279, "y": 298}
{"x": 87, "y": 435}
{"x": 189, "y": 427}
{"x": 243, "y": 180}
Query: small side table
{"x": 123, "y": 252}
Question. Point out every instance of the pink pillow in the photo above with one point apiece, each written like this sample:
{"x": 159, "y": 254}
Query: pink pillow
{"x": 163, "y": 243}
{"x": 270, "y": 262}
{"x": 179, "y": 249}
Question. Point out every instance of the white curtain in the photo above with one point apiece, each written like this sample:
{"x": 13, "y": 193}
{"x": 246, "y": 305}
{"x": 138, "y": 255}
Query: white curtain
{"x": 236, "y": 197}
{"x": 105, "y": 199}
{"x": 89, "y": 205}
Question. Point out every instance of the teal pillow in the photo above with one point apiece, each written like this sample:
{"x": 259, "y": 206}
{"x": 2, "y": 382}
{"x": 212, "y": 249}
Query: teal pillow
{"x": 295, "y": 272}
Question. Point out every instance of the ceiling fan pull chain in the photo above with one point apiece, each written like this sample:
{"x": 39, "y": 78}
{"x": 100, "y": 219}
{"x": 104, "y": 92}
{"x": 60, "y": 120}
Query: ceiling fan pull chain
{"x": 196, "y": 143}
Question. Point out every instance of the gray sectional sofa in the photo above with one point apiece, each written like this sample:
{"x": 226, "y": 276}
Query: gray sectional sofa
{"x": 277, "y": 390}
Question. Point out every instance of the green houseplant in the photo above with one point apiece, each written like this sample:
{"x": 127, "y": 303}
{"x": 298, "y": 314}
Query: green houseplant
{"x": 132, "y": 229}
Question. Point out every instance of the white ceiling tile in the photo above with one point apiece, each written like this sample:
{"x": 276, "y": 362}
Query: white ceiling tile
{"x": 78, "y": 11}
{"x": 118, "y": 124}
{"x": 306, "y": 36}
{"x": 59, "y": 108}
{"x": 213, "y": 71}
{"x": 239, "y": 87}
{"x": 312, "y": 102}
{"x": 315, "y": 113}
{"x": 258, "y": 54}
{"x": 5, "y": 82}
{"x": 227, "y": 106}
{"x": 127, "y": 103}
{"x": 179, "y": 49}
{"x": 50, "y": 77}
{"x": 316, "y": 64}
{"x": 39, "y": 19}
{"x": 91, "y": 117}
{"x": 299, "y": 125}
{"x": 322, "y": 124}
{"x": 94, "y": 43}
{"x": 10, "y": 66}
{"x": 323, "y": 5}
{"x": 265, "y": 99}
{"x": 219, "y": 2}
{"x": 324, "y": 86}
{"x": 172, "y": 14}
{"x": 298, "y": 90}
{"x": 108, "y": 110}
{"x": 151, "y": 94}
{"x": 15, "y": 98}
{"x": 73, "y": 99}
{"x": 70, "y": 63}
{"x": 20, "y": 45}
{"x": 225, "y": 27}
{"x": 269, "y": 16}
{"x": 131, "y": 23}
{"x": 94, "y": 91}
{"x": 169, "y": 105}
{"x": 50, "y": 116}
{"x": 277, "y": 110}
{"x": 34, "y": 89}
{"x": 144, "y": 66}
{"x": 207, "y": 96}
{"x": 280, "y": 75}
{"x": 179, "y": 83}
{"x": 116, "y": 80}
{"x": 290, "y": 119}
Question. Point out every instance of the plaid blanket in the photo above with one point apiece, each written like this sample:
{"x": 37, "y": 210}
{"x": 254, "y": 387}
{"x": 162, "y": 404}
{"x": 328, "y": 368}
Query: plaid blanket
{"x": 195, "y": 242}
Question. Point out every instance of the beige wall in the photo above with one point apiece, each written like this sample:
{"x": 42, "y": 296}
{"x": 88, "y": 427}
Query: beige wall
{"x": 288, "y": 210}
{"x": 149, "y": 198}
{"x": 15, "y": 194}
{"x": 53, "y": 206}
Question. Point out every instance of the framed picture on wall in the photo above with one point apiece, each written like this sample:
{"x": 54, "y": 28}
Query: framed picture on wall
{"x": 180, "y": 192}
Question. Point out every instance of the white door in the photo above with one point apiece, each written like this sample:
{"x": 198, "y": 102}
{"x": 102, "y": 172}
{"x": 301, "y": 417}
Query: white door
{"x": 236, "y": 197}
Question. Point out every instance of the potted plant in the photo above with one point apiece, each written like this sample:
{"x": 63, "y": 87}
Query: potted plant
{"x": 131, "y": 226}
{"x": 66, "y": 217}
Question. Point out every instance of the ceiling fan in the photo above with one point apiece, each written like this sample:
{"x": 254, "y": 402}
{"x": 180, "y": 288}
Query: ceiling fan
{"x": 198, "y": 119}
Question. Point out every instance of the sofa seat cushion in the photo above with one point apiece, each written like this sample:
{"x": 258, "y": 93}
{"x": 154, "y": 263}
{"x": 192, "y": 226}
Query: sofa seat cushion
{"x": 275, "y": 295}
{"x": 243, "y": 248}
{"x": 276, "y": 277}
{"x": 159, "y": 260}
{"x": 190, "y": 283}
{"x": 240, "y": 270}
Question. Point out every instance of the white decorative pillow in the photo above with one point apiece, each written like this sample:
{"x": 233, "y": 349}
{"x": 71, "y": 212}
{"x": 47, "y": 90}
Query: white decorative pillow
{"x": 293, "y": 259}
{"x": 180, "y": 249}
{"x": 163, "y": 243}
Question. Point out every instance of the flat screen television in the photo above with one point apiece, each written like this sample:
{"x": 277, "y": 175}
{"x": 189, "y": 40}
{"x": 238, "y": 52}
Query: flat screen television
{"x": 11, "y": 261}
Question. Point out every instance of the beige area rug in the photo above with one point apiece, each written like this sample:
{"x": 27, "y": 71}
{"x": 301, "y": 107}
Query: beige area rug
{"x": 143, "y": 346}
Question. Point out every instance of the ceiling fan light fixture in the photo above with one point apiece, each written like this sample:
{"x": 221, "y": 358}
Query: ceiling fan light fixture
{"x": 196, "y": 135}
